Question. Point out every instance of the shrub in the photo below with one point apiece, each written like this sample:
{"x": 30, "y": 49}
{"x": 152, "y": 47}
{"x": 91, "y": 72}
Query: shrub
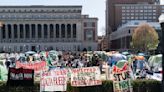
{"x": 107, "y": 86}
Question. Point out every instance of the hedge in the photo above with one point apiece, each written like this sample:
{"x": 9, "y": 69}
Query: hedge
{"x": 107, "y": 86}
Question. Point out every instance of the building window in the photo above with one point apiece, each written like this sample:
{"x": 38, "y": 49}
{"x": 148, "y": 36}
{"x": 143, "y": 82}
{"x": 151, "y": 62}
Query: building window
{"x": 141, "y": 10}
{"x": 21, "y": 31}
{"x": 127, "y": 10}
{"x": 123, "y": 10}
{"x": 39, "y": 31}
{"x": 33, "y": 30}
{"x": 154, "y": 10}
{"x": 74, "y": 30}
{"x": 154, "y": 17}
{"x": 51, "y": 31}
{"x": 145, "y": 7}
{"x": 132, "y": 10}
{"x": 145, "y": 10}
{"x": 145, "y": 17}
{"x": 136, "y": 10}
{"x": 15, "y": 31}
{"x": 132, "y": 14}
{"x": 9, "y": 31}
{"x": 69, "y": 31}
{"x": 57, "y": 31}
{"x": 149, "y": 7}
{"x": 93, "y": 24}
{"x": 85, "y": 24}
{"x": 132, "y": 7}
{"x": 89, "y": 34}
{"x": 123, "y": 7}
{"x": 136, "y": 7}
{"x": 27, "y": 30}
{"x": 128, "y": 7}
{"x": 45, "y": 31}
{"x": 63, "y": 31}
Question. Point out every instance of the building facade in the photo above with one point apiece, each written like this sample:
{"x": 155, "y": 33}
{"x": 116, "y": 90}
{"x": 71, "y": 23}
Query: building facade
{"x": 46, "y": 27}
{"x": 116, "y": 13}
{"x": 122, "y": 38}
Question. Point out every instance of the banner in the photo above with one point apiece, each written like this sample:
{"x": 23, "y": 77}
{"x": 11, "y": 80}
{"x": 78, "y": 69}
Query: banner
{"x": 121, "y": 77}
{"x": 54, "y": 80}
{"x": 37, "y": 67}
{"x": 22, "y": 77}
{"x": 88, "y": 76}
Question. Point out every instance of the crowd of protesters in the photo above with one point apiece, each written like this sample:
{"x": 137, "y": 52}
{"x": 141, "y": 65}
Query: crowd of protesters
{"x": 77, "y": 59}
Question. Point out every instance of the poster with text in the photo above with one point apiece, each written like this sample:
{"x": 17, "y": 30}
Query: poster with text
{"x": 88, "y": 76}
{"x": 54, "y": 80}
{"x": 37, "y": 67}
{"x": 122, "y": 77}
{"x": 20, "y": 77}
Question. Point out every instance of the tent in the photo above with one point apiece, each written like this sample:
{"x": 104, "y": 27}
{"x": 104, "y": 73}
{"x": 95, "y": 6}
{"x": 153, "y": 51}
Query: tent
{"x": 155, "y": 61}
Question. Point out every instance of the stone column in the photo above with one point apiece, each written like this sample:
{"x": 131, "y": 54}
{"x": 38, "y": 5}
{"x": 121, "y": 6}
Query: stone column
{"x": 18, "y": 34}
{"x": 71, "y": 31}
{"x": 12, "y": 31}
{"x": 42, "y": 26}
{"x": 24, "y": 32}
{"x": 66, "y": 35}
{"x": 6, "y": 32}
{"x": 36, "y": 31}
{"x": 48, "y": 30}
{"x": 30, "y": 31}
{"x": 54, "y": 25}
{"x": 60, "y": 36}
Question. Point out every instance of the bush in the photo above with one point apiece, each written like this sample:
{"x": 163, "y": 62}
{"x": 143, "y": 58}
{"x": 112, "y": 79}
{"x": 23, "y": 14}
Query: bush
{"x": 107, "y": 86}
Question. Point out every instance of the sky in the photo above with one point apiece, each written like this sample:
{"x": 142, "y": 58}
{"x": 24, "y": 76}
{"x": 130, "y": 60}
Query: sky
{"x": 94, "y": 8}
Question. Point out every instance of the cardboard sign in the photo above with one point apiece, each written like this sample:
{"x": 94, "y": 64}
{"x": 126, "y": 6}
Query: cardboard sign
{"x": 122, "y": 86}
{"x": 89, "y": 76}
{"x": 54, "y": 80}
{"x": 22, "y": 77}
{"x": 37, "y": 67}
{"x": 121, "y": 77}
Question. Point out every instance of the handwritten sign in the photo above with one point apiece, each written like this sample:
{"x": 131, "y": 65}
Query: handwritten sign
{"x": 54, "y": 80}
{"x": 89, "y": 76}
{"x": 20, "y": 77}
{"x": 37, "y": 67}
{"x": 121, "y": 77}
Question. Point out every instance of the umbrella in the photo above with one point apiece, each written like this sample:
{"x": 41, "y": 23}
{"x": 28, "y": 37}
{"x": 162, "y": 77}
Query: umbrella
{"x": 116, "y": 57}
{"x": 53, "y": 51}
{"x": 140, "y": 57}
{"x": 141, "y": 54}
{"x": 125, "y": 53}
{"x": 30, "y": 52}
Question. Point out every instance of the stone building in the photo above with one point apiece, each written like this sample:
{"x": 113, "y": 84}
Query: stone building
{"x": 40, "y": 28}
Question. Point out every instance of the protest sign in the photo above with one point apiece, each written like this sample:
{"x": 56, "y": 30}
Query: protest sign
{"x": 121, "y": 77}
{"x": 22, "y": 77}
{"x": 88, "y": 76}
{"x": 37, "y": 67}
{"x": 54, "y": 80}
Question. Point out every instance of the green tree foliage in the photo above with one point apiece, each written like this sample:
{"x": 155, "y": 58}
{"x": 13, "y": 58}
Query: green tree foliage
{"x": 145, "y": 38}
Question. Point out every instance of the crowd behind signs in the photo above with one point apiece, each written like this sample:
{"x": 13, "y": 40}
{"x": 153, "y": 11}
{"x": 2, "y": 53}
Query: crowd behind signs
{"x": 45, "y": 63}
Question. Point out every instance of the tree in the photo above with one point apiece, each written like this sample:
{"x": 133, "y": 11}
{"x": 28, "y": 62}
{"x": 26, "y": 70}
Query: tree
{"x": 145, "y": 38}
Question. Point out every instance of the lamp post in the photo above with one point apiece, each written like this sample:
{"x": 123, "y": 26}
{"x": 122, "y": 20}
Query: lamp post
{"x": 161, "y": 21}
